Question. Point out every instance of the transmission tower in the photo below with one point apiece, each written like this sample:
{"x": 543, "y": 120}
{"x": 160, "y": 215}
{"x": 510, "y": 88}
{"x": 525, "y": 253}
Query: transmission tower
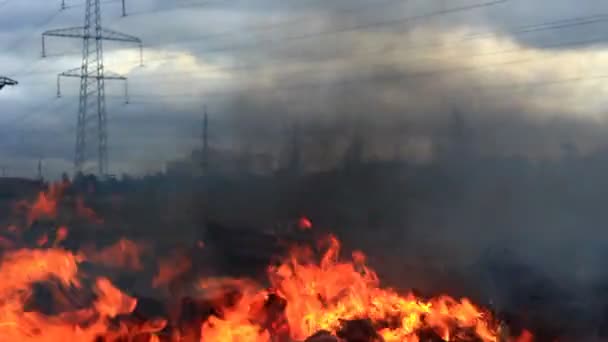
{"x": 124, "y": 7}
{"x": 4, "y": 81}
{"x": 92, "y": 102}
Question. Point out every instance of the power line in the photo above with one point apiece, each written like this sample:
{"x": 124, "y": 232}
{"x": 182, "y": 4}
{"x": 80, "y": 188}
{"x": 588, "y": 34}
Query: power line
{"x": 286, "y": 23}
{"x": 524, "y": 30}
{"x": 516, "y": 86}
{"x": 512, "y": 86}
{"x": 360, "y": 79}
{"x": 263, "y": 27}
{"x": 559, "y": 24}
{"x": 358, "y": 27}
{"x": 21, "y": 39}
{"x": 521, "y": 30}
{"x": 193, "y": 5}
{"x": 65, "y": 6}
{"x": 338, "y": 31}
{"x": 257, "y": 66}
{"x": 542, "y": 84}
{"x": 428, "y": 73}
{"x": 399, "y": 77}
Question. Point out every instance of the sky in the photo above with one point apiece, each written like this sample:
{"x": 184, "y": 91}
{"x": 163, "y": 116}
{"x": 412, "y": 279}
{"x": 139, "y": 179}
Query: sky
{"x": 527, "y": 75}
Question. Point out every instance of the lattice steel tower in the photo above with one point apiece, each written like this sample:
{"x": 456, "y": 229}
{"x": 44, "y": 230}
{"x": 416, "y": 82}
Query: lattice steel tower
{"x": 92, "y": 102}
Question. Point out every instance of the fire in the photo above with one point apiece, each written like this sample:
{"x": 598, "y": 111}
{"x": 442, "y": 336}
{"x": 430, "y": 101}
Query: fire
{"x": 236, "y": 324}
{"x": 45, "y": 205}
{"x": 85, "y": 212}
{"x": 313, "y": 295}
{"x": 21, "y": 269}
{"x": 123, "y": 254}
{"x": 62, "y": 234}
{"x": 112, "y": 301}
{"x": 171, "y": 268}
{"x": 321, "y": 296}
{"x": 304, "y": 223}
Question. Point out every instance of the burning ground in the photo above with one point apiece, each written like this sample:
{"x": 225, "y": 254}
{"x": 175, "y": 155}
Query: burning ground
{"x": 54, "y": 289}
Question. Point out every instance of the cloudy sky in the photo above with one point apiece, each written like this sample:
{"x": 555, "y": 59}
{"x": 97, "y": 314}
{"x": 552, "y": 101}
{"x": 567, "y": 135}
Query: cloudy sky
{"x": 528, "y": 75}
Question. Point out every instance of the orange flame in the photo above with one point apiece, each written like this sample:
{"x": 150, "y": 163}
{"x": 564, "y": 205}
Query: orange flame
{"x": 112, "y": 302}
{"x": 171, "y": 268}
{"x": 21, "y": 269}
{"x": 308, "y": 295}
{"x": 83, "y": 211}
{"x": 321, "y": 296}
{"x": 46, "y": 203}
{"x": 123, "y": 254}
{"x": 236, "y": 324}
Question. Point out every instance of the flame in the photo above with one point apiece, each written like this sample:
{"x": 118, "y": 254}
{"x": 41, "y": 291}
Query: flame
{"x": 236, "y": 323}
{"x": 526, "y": 336}
{"x": 304, "y": 223}
{"x": 21, "y": 269}
{"x": 112, "y": 302}
{"x": 320, "y": 296}
{"x": 61, "y": 235}
{"x": 171, "y": 268}
{"x": 45, "y": 205}
{"x": 85, "y": 212}
{"x": 58, "y": 270}
{"x": 309, "y": 295}
{"x": 122, "y": 254}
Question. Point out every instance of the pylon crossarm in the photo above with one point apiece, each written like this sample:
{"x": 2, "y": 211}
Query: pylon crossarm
{"x": 108, "y": 34}
{"x": 77, "y": 73}
{"x": 71, "y": 73}
{"x": 70, "y": 32}
{"x": 110, "y": 75}
{"x": 80, "y": 32}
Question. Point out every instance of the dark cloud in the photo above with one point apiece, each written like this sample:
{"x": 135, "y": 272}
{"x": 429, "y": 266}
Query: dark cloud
{"x": 396, "y": 68}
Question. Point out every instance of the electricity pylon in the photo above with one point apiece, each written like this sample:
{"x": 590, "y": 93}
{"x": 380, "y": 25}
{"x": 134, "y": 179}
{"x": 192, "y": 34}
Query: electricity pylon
{"x": 124, "y": 7}
{"x": 4, "y": 81}
{"x": 92, "y": 81}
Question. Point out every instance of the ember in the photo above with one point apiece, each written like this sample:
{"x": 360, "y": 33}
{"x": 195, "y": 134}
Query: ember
{"x": 305, "y": 223}
{"x": 313, "y": 296}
